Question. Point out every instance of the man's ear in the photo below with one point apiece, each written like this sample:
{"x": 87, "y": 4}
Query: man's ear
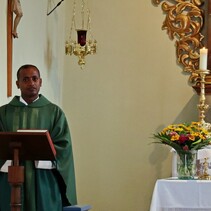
{"x": 17, "y": 84}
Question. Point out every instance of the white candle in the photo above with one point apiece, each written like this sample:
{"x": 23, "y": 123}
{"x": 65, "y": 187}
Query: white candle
{"x": 203, "y": 58}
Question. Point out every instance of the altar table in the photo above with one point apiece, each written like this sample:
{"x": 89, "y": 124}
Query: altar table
{"x": 181, "y": 195}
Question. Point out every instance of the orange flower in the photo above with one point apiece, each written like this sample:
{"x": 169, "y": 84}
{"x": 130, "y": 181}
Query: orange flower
{"x": 175, "y": 137}
{"x": 191, "y": 137}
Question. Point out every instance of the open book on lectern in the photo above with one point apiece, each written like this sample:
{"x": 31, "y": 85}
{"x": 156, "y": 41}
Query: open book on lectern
{"x": 32, "y": 145}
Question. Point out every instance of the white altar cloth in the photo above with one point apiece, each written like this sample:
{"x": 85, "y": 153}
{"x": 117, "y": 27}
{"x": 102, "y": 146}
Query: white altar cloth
{"x": 181, "y": 195}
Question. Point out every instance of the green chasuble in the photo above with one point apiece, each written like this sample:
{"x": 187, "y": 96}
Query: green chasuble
{"x": 43, "y": 189}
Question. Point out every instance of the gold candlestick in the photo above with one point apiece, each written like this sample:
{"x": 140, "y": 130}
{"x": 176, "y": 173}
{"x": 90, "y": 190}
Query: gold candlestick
{"x": 202, "y": 106}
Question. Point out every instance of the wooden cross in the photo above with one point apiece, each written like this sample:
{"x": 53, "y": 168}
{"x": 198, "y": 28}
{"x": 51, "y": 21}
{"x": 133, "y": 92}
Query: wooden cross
{"x": 9, "y": 47}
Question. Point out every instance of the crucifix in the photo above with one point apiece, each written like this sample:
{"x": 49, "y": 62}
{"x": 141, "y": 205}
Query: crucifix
{"x": 9, "y": 47}
{"x": 13, "y": 6}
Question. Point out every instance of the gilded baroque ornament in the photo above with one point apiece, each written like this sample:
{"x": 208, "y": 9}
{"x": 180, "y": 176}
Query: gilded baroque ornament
{"x": 183, "y": 22}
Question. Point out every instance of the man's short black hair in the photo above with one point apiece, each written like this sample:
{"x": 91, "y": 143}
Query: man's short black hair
{"x": 26, "y": 66}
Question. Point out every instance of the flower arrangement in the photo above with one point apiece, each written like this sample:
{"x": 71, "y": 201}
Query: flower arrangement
{"x": 184, "y": 137}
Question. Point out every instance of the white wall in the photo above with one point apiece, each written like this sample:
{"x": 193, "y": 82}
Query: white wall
{"x": 130, "y": 89}
{"x": 40, "y": 42}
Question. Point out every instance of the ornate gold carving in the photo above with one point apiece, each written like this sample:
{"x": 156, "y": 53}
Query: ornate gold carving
{"x": 183, "y": 22}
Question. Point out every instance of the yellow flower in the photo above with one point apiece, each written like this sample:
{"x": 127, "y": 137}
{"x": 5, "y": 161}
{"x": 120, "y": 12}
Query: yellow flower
{"x": 195, "y": 123}
{"x": 179, "y": 129}
{"x": 202, "y": 136}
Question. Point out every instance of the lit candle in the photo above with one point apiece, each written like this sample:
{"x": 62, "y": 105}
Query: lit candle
{"x": 203, "y": 58}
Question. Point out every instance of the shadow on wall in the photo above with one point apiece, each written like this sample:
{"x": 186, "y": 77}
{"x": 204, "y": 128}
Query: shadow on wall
{"x": 159, "y": 155}
{"x": 190, "y": 112}
{"x": 208, "y": 113}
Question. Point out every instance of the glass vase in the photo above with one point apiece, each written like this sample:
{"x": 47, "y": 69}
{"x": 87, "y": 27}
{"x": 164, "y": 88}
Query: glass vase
{"x": 186, "y": 165}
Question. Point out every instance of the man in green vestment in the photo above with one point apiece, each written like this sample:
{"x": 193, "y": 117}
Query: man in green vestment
{"x": 45, "y": 188}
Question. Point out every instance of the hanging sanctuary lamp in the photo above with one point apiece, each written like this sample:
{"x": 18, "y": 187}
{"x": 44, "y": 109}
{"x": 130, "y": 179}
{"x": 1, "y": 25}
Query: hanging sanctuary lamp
{"x": 85, "y": 44}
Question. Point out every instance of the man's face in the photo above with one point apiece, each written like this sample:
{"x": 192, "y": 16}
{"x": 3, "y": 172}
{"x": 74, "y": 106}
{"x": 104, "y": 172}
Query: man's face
{"x": 29, "y": 82}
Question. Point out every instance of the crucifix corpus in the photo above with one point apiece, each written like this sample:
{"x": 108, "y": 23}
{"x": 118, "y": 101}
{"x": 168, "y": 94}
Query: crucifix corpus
{"x": 13, "y": 6}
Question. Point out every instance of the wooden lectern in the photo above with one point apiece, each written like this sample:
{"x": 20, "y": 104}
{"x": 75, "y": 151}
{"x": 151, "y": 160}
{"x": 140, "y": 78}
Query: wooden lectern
{"x": 19, "y": 146}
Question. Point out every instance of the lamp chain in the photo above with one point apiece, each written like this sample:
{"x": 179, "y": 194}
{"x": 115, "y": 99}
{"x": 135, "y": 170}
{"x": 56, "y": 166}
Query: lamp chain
{"x": 73, "y": 25}
{"x": 89, "y": 24}
{"x": 82, "y": 13}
